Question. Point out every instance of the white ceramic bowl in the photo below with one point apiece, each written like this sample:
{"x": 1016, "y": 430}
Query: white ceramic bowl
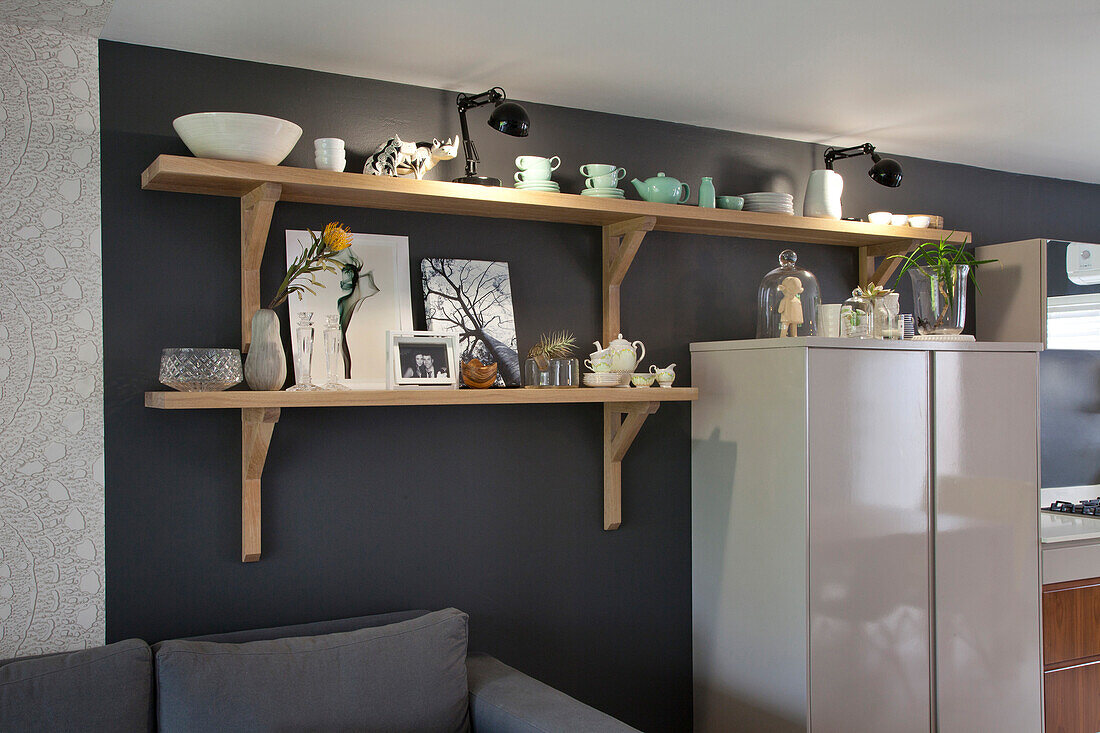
{"x": 920, "y": 222}
{"x": 329, "y": 165}
{"x": 329, "y": 157}
{"x": 237, "y": 136}
{"x": 879, "y": 217}
{"x": 899, "y": 220}
{"x": 328, "y": 143}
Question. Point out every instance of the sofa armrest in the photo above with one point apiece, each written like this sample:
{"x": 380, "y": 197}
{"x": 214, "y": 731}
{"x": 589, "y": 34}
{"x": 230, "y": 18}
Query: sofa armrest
{"x": 504, "y": 700}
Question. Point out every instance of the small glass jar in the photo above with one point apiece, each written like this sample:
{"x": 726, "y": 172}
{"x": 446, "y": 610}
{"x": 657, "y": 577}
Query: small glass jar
{"x": 565, "y": 373}
{"x": 856, "y": 317}
{"x": 788, "y": 300}
{"x": 536, "y": 373}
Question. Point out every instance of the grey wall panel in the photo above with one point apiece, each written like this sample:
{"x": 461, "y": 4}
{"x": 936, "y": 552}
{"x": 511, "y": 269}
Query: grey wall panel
{"x": 988, "y": 669}
{"x": 869, "y": 536}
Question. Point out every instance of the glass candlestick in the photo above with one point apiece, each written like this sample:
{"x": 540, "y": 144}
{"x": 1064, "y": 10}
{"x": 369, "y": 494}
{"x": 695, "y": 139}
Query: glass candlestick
{"x": 303, "y": 354}
{"x": 334, "y": 354}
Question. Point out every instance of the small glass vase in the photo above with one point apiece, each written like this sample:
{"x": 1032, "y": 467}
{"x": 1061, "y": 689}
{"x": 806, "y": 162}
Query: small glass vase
{"x": 939, "y": 303}
{"x": 303, "y": 355}
{"x": 334, "y": 354}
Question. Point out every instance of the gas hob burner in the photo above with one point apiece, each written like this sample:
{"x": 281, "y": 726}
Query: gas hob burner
{"x": 1086, "y": 508}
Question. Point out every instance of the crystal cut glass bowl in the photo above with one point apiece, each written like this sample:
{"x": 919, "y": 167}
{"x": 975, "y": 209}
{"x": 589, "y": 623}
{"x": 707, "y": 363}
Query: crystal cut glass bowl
{"x": 200, "y": 370}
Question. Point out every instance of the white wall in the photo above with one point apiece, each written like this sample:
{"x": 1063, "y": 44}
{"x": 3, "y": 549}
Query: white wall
{"x": 51, "y": 370}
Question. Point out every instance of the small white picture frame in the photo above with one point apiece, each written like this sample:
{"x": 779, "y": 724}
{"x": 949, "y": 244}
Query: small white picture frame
{"x": 421, "y": 359}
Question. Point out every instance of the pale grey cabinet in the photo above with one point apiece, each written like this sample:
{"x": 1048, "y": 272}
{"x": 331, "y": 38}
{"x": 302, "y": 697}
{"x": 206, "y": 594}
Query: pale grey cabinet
{"x": 865, "y": 536}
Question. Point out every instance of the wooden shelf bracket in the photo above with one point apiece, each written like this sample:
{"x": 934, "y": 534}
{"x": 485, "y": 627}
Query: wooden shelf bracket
{"x": 257, "y": 425}
{"x": 879, "y": 275}
{"x": 620, "y": 243}
{"x": 617, "y": 437}
{"x": 256, "y": 208}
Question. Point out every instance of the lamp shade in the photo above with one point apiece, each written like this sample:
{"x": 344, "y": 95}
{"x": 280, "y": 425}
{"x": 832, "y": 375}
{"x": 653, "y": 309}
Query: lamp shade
{"x": 886, "y": 171}
{"x": 511, "y": 119}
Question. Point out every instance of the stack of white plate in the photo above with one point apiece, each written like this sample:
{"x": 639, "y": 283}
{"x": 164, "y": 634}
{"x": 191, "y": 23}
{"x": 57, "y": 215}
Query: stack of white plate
{"x": 548, "y": 186}
{"x": 606, "y": 379}
{"x": 772, "y": 203}
{"x": 603, "y": 193}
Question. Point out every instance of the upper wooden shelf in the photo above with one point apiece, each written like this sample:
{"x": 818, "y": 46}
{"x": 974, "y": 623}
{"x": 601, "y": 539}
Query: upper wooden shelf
{"x": 305, "y": 185}
{"x": 406, "y": 397}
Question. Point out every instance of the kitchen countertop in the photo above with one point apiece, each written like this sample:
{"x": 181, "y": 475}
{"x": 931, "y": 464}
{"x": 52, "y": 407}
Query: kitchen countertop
{"x": 818, "y": 342}
{"x": 1055, "y": 528}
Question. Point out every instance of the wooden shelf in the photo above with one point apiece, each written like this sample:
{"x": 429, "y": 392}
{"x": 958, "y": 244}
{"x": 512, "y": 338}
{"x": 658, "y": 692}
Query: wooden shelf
{"x": 240, "y": 399}
{"x": 306, "y": 185}
{"x": 624, "y": 225}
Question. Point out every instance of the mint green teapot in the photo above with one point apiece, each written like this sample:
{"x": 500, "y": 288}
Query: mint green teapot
{"x": 662, "y": 189}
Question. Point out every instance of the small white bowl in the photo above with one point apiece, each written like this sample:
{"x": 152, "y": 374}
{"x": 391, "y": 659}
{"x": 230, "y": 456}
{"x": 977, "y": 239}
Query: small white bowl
{"x": 237, "y": 136}
{"x": 899, "y": 220}
{"x": 328, "y": 143}
{"x": 330, "y": 158}
{"x": 880, "y": 217}
{"x": 335, "y": 165}
{"x": 920, "y": 222}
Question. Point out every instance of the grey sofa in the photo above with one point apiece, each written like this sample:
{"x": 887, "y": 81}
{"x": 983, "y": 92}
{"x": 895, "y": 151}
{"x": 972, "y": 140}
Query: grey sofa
{"x": 404, "y": 672}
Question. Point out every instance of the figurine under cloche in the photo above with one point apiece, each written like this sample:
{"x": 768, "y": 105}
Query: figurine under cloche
{"x": 788, "y": 300}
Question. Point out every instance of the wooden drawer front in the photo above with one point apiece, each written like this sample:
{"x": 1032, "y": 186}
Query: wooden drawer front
{"x": 1071, "y": 621}
{"x": 1073, "y": 699}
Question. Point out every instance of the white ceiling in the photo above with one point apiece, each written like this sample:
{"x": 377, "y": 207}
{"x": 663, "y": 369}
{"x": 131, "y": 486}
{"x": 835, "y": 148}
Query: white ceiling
{"x": 1006, "y": 84}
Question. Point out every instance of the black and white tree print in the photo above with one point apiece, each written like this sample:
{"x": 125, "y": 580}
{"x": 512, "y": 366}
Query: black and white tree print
{"x": 473, "y": 298}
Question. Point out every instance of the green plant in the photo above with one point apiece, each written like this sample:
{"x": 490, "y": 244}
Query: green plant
{"x": 552, "y": 346}
{"x": 317, "y": 257}
{"x": 938, "y": 260}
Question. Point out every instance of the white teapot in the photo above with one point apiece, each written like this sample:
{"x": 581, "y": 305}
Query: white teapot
{"x": 625, "y": 356}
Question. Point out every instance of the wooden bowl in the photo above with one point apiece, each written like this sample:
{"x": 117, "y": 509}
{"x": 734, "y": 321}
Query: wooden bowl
{"x": 478, "y": 375}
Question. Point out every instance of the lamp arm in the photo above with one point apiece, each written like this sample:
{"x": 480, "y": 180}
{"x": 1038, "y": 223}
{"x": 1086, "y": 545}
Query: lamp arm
{"x": 832, "y": 154}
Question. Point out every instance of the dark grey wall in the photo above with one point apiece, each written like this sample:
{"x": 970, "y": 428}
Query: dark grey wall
{"x": 495, "y": 510}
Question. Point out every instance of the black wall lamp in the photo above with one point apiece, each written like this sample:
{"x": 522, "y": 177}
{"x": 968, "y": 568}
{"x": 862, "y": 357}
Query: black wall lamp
{"x": 507, "y": 117}
{"x": 886, "y": 171}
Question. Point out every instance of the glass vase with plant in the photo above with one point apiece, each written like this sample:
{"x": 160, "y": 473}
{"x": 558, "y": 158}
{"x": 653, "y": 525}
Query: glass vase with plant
{"x": 939, "y": 272}
{"x": 551, "y": 347}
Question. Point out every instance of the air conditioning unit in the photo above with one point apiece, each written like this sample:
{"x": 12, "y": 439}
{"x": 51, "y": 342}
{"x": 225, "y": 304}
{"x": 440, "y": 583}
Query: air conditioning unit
{"x": 1083, "y": 263}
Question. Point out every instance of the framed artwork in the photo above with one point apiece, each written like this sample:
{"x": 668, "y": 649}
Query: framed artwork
{"x": 422, "y": 359}
{"x": 370, "y": 295}
{"x": 473, "y": 300}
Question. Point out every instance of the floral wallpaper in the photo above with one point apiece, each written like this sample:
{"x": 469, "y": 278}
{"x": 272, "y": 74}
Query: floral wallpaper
{"x": 51, "y": 370}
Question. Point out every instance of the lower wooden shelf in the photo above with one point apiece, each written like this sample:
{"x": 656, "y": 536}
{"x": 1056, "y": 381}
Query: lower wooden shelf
{"x": 407, "y": 397}
{"x": 624, "y": 411}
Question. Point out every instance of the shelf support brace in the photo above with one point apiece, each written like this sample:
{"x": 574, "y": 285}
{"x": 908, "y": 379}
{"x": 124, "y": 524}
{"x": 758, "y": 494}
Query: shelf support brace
{"x": 256, "y": 208}
{"x": 879, "y": 275}
{"x": 620, "y": 243}
{"x": 617, "y": 437}
{"x": 257, "y": 425}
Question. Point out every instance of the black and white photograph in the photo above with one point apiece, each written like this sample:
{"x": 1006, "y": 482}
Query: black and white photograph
{"x": 473, "y": 299}
{"x": 422, "y": 359}
{"x": 425, "y": 362}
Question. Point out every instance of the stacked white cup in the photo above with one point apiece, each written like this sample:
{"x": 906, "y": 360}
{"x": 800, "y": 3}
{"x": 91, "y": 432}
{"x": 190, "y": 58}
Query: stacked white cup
{"x": 329, "y": 154}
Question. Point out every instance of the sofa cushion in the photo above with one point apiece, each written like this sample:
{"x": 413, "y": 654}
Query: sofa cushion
{"x": 311, "y": 629}
{"x": 407, "y": 676}
{"x": 108, "y": 688}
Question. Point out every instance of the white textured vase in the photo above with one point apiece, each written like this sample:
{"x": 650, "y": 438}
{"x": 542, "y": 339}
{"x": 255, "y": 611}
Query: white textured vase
{"x": 823, "y": 195}
{"x": 265, "y": 365}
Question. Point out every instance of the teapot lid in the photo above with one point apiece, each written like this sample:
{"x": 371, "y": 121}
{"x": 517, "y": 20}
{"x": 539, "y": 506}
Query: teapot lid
{"x": 620, "y": 341}
{"x": 659, "y": 175}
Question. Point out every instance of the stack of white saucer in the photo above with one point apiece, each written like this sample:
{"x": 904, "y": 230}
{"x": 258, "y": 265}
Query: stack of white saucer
{"x": 769, "y": 202}
{"x": 328, "y": 154}
{"x": 606, "y": 379}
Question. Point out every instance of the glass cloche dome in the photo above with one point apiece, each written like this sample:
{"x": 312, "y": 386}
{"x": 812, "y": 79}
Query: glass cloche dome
{"x": 788, "y": 300}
